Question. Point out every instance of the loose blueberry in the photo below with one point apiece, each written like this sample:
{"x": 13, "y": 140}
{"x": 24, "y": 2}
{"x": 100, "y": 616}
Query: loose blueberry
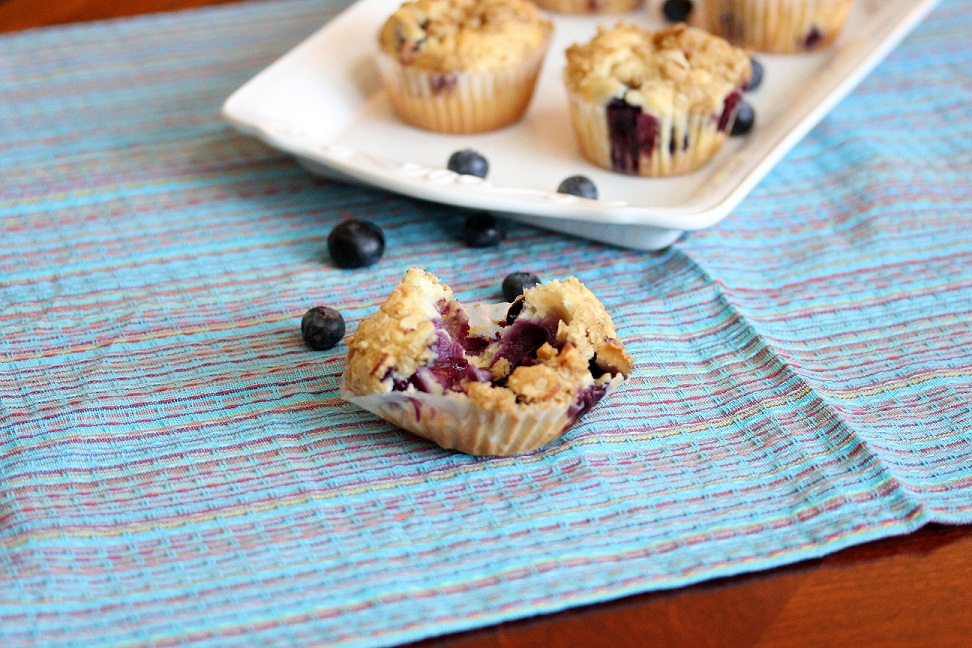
{"x": 322, "y": 328}
{"x": 578, "y": 185}
{"x": 483, "y": 230}
{"x": 757, "y": 78}
{"x": 516, "y": 282}
{"x": 356, "y": 244}
{"x": 468, "y": 162}
{"x": 745, "y": 118}
{"x": 677, "y": 10}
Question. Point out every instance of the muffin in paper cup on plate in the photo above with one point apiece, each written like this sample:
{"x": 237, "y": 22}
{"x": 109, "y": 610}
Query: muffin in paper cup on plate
{"x": 499, "y": 379}
{"x": 777, "y": 26}
{"x": 462, "y": 66}
{"x": 654, "y": 103}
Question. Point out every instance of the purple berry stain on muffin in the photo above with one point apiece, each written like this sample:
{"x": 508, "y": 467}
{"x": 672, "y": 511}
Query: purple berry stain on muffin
{"x": 586, "y": 399}
{"x": 632, "y": 132}
{"x": 451, "y": 368}
{"x": 814, "y": 36}
{"x": 729, "y": 26}
{"x": 729, "y": 105}
{"x": 453, "y": 345}
{"x": 520, "y": 344}
{"x": 443, "y": 83}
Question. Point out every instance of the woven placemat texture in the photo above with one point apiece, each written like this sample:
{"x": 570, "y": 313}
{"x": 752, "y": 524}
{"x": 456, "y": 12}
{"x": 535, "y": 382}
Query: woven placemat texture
{"x": 176, "y": 467}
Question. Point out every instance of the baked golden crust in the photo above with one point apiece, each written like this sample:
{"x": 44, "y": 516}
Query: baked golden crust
{"x": 678, "y": 68}
{"x": 400, "y": 335}
{"x": 465, "y": 35}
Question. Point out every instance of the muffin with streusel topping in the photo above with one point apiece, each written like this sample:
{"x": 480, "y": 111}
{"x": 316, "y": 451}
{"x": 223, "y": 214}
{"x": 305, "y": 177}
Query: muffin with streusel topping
{"x": 776, "y": 26}
{"x": 462, "y": 66}
{"x": 654, "y": 103}
{"x": 498, "y": 379}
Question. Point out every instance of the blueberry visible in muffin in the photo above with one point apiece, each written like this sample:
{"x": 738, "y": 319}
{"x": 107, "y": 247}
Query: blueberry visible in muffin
{"x": 467, "y": 379}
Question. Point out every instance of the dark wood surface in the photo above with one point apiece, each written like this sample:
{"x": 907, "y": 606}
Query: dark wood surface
{"x": 914, "y": 590}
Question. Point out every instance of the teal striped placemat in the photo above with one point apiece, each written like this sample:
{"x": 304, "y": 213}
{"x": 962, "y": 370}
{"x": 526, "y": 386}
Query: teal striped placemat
{"x": 176, "y": 467}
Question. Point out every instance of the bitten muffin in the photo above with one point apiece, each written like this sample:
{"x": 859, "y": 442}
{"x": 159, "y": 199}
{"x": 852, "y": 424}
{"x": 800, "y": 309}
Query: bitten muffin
{"x": 590, "y": 6}
{"x": 496, "y": 379}
{"x": 462, "y": 66}
{"x": 777, "y": 26}
{"x": 654, "y": 103}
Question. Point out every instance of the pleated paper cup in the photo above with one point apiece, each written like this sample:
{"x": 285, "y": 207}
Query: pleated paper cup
{"x": 589, "y": 6}
{"x": 455, "y": 422}
{"x": 777, "y": 26}
{"x": 460, "y": 102}
{"x": 684, "y": 141}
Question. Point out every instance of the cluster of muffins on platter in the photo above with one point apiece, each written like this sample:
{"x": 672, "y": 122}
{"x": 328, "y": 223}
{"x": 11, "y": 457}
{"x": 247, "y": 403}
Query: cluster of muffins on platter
{"x": 509, "y": 378}
{"x": 642, "y": 102}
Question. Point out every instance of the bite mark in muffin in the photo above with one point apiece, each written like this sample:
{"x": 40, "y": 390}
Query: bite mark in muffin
{"x": 467, "y": 378}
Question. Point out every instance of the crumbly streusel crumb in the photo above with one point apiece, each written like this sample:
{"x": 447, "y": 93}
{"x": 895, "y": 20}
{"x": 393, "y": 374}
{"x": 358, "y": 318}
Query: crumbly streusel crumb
{"x": 400, "y": 335}
{"x": 465, "y": 35}
{"x": 679, "y": 66}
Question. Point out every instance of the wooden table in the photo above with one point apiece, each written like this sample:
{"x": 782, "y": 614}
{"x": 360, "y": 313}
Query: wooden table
{"x": 914, "y": 590}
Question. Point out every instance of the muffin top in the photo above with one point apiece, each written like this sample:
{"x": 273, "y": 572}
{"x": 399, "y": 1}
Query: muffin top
{"x": 465, "y": 35}
{"x": 561, "y": 342}
{"x": 679, "y": 66}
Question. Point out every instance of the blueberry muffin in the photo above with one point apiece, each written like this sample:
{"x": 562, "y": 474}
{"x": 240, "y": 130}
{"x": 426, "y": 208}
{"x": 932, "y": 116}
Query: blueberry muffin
{"x": 462, "y": 66}
{"x": 654, "y": 103}
{"x": 777, "y": 26}
{"x": 498, "y": 379}
{"x": 590, "y": 6}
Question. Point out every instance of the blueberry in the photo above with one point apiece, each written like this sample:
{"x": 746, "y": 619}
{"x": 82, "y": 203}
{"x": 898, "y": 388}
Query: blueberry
{"x": 516, "y": 282}
{"x": 483, "y": 230}
{"x": 578, "y": 185}
{"x": 757, "y": 78}
{"x": 322, "y": 328}
{"x": 468, "y": 162}
{"x": 745, "y": 117}
{"x": 356, "y": 244}
{"x": 677, "y": 10}
{"x": 514, "y": 311}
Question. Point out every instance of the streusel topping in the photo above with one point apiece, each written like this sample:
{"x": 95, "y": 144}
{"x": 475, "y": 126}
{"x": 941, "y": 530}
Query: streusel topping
{"x": 465, "y": 35}
{"x": 399, "y": 336}
{"x": 679, "y": 66}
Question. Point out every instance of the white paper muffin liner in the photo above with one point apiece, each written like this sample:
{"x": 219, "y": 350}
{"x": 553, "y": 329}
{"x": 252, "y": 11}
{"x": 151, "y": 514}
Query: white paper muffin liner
{"x": 460, "y": 102}
{"x": 776, "y": 26}
{"x": 454, "y": 421}
{"x": 670, "y": 156}
{"x": 589, "y": 6}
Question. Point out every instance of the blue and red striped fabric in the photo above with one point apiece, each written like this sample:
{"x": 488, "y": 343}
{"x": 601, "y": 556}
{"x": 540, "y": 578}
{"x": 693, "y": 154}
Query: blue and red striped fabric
{"x": 177, "y": 468}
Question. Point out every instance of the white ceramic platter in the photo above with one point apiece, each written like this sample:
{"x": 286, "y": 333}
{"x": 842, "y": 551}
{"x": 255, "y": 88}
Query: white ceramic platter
{"x": 323, "y": 103}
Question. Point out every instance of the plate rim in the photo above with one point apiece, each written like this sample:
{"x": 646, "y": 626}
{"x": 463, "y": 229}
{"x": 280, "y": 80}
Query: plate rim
{"x": 850, "y": 64}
